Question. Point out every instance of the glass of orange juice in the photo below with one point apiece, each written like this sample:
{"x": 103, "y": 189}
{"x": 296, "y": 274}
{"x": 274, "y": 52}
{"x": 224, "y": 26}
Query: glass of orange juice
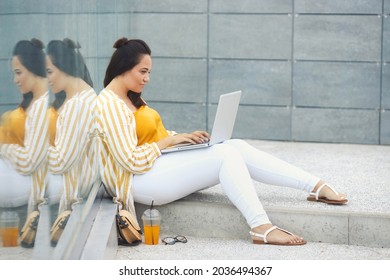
{"x": 151, "y": 219}
{"x": 9, "y": 228}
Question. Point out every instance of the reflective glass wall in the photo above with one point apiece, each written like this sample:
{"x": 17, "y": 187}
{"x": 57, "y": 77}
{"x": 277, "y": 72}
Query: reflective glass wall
{"x": 49, "y": 72}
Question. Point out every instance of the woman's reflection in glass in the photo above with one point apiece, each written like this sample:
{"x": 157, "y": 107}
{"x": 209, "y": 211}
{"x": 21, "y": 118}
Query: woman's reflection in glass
{"x": 23, "y": 138}
{"x": 71, "y": 157}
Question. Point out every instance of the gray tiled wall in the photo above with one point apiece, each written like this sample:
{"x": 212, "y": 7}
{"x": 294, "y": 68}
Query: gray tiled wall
{"x": 337, "y": 84}
{"x": 266, "y": 82}
{"x": 386, "y": 87}
{"x": 249, "y": 36}
{"x": 335, "y": 125}
{"x": 339, "y": 7}
{"x": 337, "y": 37}
{"x": 310, "y": 70}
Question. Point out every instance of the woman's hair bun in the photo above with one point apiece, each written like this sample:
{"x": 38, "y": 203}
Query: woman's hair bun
{"x": 37, "y": 43}
{"x": 71, "y": 44}
{"x": 121, "y": 42}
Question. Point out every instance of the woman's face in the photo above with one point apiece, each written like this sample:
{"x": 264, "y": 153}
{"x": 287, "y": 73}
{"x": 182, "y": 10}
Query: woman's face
{"x": 136, "y": 78}
{"x": 24, "y": 79}
{"x": 57, "y": 78}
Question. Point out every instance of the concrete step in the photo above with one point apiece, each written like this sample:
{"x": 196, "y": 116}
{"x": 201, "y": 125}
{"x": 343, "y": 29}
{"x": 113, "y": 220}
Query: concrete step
{"x": 222, "y": 220}
{"x": 206, "y": 248}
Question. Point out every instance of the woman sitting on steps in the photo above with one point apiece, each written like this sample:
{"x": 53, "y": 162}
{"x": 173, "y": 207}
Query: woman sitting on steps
{"x": 134, "y": 170}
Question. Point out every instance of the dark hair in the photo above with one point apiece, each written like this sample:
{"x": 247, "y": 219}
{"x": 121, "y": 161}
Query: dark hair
{"x": 66, "y": 57}
{"x": 128, "y": 54}
{"x": 27, "y": 97}
{"x": 31, "y": 55}
{"x": 59, "y": 99}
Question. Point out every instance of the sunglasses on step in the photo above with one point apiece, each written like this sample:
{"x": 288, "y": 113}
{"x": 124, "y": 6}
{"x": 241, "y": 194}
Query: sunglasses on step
{"x": 173, "y": 240}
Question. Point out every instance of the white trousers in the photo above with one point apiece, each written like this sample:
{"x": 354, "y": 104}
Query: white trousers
{"x": 15, "y": 188}
{"x": 233, "y": 164}
{"x": 54, "y": 187}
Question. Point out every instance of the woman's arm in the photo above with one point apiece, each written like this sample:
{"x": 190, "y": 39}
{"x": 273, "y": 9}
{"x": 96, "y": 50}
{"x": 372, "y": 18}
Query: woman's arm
{"x": 72, "y": 135}
{"x": 25, "y": 159}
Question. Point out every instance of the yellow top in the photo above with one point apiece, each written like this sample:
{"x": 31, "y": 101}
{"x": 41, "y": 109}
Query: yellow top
{"x": 149, "y": 126}
{"x": 53, "y": 116}
{"x": 12, "y": 127}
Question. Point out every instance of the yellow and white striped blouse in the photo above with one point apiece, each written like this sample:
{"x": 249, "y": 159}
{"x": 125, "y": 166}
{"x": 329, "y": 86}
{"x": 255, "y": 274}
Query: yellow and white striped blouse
{"x": 74, "y": 152}
{"x": 119, "y": 154}
{"x": 31, "y": 158}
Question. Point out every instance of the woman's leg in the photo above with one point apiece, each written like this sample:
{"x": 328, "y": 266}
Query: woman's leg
{"x": 177, "y": 175}
{"x": 54, "y": 188}
{"x": 15, "y": 188}
{"x": 268, "y": 169}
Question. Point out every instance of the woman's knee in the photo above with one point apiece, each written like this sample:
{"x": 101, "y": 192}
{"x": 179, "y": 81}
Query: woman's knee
{"x": 237, "y": 143}
{"x": 230, "y": 151}
{"x": 224, "y": 149}
{"x": 14, "y": 191}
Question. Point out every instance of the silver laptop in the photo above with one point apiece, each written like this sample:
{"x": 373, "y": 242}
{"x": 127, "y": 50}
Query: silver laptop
{"x": 223, "y": 123}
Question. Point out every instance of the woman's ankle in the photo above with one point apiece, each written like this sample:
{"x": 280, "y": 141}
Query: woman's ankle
{"x": 262, "y": 228}
{"x": 319, "y": 184}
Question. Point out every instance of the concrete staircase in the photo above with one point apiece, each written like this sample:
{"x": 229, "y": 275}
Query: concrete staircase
{"x": 209, "y": 214}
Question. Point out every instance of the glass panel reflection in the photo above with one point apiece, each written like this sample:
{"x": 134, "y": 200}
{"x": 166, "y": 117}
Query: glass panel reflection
{"x": 71, "y": 156}
{"x": 23, "y": 136}
{"x": 47, "y": 135}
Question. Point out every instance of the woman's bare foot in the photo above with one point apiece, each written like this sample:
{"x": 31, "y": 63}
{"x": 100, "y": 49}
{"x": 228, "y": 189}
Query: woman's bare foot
{"x": 269, "y": 234}
{"x": 325, "y": 193}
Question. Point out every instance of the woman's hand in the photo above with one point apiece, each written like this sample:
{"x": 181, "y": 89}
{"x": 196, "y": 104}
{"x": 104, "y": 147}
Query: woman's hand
{"x": 196, "y": 137}
{"x": 201, "y": 136}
